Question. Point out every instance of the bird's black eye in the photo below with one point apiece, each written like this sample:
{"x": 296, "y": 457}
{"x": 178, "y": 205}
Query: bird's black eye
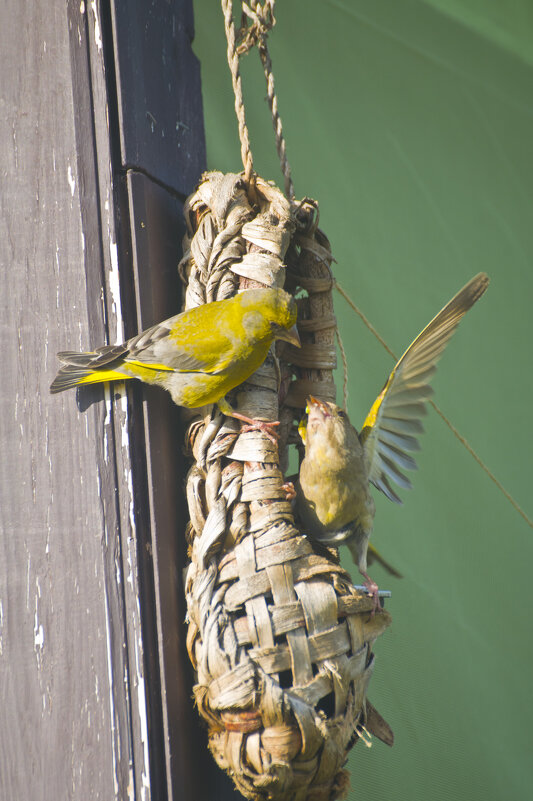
{"x": 342, "y": 414}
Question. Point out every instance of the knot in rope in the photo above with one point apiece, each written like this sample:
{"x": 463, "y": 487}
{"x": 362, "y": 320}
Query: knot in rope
{"x": 256, "y": 21}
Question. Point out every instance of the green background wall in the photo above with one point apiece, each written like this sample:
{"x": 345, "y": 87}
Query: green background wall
{"x": 412, "y": 124}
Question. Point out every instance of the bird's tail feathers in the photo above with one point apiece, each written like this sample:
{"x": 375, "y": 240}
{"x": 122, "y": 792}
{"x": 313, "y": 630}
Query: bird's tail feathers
{"x": 91, "y": 367}
{"x": 70, "y": 376}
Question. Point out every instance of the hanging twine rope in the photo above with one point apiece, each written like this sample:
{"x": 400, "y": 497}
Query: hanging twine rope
{"x": 257, "y": 21}
{"x": 233, "y": 62}
{"x": 280, "y": 639}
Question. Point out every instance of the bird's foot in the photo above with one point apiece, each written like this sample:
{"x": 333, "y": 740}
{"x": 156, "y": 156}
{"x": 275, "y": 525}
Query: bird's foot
{"x": 372, "y": 589}
{"x": 290, "y": 492}
{"x": 265, "y": 426}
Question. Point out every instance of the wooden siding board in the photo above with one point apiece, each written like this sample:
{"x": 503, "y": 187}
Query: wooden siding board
{"x": 59, "y": 705}
{"x": 157, "y": 229}
{"x": 161, "y": 127}
{"x": 94, "y": 682}
{"x": 94, "y": 95}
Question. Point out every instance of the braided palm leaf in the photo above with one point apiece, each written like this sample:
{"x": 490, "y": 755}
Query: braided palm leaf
{"x": 280, "y": 639}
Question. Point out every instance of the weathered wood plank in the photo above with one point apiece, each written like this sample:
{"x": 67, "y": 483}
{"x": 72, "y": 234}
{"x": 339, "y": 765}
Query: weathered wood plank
{"x": 155, "y": 244}
{"x": 157, "y": 77}
{"x": 159, "y": 473}
{"x": 94, "y": 683}
{"x": 62, "y": 710}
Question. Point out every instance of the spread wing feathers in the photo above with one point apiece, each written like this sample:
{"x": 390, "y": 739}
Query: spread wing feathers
{"x": 390, "y": 429}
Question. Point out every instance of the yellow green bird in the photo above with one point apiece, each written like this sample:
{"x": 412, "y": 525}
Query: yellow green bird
{"x": 199, "y": 355}
{"x": 333, "y": 496}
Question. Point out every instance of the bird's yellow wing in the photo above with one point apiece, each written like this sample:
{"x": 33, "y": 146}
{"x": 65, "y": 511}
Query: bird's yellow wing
{"x": 185, "y": 343}
{"x": 389, "y": 433}
{"x": 188, "y": 342}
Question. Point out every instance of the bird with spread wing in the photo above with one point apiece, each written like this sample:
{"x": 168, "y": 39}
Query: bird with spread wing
{"x": 333, "y": 497}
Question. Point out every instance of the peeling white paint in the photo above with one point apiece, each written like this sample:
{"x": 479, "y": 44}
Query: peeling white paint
{"x": 129, "y": 577}
{"x": 124, "y": 437}
{"x": 39, "y": 633}
{"x": 145, "y": 775}
{"x": 102, "y": 304}
{"x": 108, "y": 400}
{"x": 124, "y": 441}
{"x": 131, "y": 787}
{"x": 97, "y": 32}
{"x": 118, "y": 573}
{"x": 38, "y": 630}
{"x": 71, "y": 181}
{"x": 141, "y": 698}
{"x": 114, "y": 287}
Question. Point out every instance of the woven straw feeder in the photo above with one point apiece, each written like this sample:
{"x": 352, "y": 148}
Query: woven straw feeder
{"x": 280, "y": 639}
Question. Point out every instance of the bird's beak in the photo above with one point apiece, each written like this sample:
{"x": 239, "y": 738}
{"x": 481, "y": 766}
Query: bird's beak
{"x": 312, "y": 401}
{"x": 290, "y": 336}
{"x": 317, "y": 409}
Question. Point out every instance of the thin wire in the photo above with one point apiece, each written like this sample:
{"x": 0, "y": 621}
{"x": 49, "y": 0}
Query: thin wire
{"x": 366, "y": 321}
{"x": 491, "y": 475}
{"x": 441, "y": 414}
{"x": 344, "y": 369}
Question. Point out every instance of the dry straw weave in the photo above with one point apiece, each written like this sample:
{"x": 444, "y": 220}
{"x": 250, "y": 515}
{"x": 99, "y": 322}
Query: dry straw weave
{"x": 280, "y": 639}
